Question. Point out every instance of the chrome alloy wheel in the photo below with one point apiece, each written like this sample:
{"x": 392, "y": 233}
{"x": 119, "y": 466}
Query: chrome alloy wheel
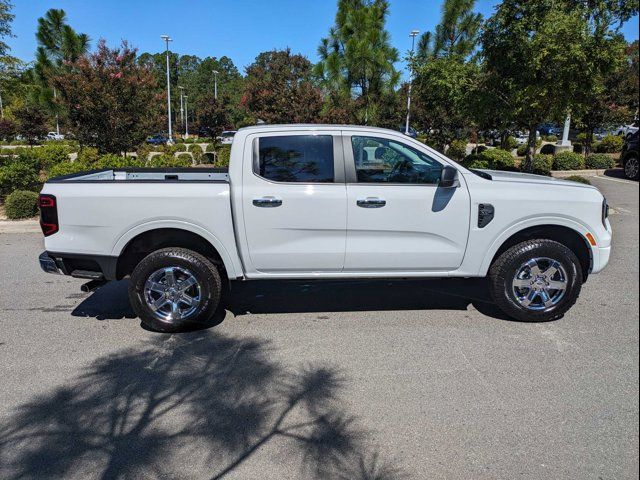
{"x": 631, "y": 168}
{"x": 172, "y": 293}
{"x": 540, "y": 283}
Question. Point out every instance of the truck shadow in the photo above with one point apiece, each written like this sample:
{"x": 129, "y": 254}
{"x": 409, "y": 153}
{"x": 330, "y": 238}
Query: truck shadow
{"x": 287, "y": 296}
{"x": 214, "y": 401}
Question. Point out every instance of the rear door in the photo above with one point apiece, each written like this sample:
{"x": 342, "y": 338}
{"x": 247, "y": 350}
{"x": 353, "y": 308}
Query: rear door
{"x": 294, "y": 202}
{"x": 399, "y": 219}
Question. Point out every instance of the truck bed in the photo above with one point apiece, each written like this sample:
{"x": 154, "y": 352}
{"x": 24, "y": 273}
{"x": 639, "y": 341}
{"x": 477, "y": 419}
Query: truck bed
{"x": 146, "y": 175}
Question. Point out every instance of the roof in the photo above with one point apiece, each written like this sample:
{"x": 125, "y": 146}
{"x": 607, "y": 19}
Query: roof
{"x": 315, "y": 126}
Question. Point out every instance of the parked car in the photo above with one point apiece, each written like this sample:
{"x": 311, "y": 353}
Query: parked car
{"x": 627, "y": 130}
{"x": 629, "y": 157}
{"x": 54, "y": 136}
{"x": 549, "y": 129}
{"x": 226, "y": 137}
{"x": 157, "y": 139}
{"x": 323, "y": 202}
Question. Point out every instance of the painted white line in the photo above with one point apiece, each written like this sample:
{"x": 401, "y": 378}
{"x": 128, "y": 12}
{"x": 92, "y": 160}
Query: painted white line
{"x": 618, "y": 180}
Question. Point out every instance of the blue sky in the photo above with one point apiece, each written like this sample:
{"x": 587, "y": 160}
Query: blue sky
{"x": 239, "y": 29}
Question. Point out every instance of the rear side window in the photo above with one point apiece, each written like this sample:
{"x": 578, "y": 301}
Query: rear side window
{"x": 299, "y": 158}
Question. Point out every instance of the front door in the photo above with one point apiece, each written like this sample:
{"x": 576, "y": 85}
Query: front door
{"x": 294, "y": 202}
{"x": 398, "y": 218}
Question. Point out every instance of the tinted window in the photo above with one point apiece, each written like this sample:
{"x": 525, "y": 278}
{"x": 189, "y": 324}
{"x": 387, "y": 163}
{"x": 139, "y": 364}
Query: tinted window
{"x": 300, "y": 158}
{"x": 379, "y": 160}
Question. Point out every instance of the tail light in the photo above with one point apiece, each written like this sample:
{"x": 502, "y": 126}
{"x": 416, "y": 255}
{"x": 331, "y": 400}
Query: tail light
{"x": 48, "y": 214}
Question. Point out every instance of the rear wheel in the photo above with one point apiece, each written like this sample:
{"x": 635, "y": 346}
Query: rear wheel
{"x": 536, "y": 281}
{"x": 175, "y": 289}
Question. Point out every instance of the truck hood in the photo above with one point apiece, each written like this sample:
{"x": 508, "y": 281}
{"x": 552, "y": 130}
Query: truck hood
{"x": 516, "y": 177}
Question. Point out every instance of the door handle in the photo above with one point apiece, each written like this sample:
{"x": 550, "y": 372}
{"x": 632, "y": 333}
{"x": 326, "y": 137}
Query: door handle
{"x": 267, "y": 202}
{"x": 371, "y": 202}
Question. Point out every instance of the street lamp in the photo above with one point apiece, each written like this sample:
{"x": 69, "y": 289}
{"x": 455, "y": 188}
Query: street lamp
{"x": 215, "y": 84}
{"x": 181, "y": 105}
{"x": 168, "y": 39}
{"x": 186, "y": 117}
{"x": 413, "y": 35}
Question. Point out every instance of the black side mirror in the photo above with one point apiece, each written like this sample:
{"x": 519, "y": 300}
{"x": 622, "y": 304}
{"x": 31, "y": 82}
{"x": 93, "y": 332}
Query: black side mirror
{"x": 448, "y": 177}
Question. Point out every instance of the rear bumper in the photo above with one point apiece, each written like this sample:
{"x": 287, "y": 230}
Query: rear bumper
{"x": 91, "y": 267}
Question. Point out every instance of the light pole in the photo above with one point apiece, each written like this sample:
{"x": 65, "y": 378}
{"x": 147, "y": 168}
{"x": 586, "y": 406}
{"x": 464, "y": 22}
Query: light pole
{"x": 181, "y": 106}
{"x": 168, "y": 39}
{"x": 413, "y": 35}
{"x": 186, "y": 117}
{"x": 215, "y": 85}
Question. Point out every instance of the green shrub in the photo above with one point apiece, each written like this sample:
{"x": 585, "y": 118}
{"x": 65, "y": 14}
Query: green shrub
{"x": 21, "y": 204}
{"x": 474, "y": 161}
{"x": 498, "y": 159}
{"x": 117, "y": 161}
{"x": 599, "y": 161}
{"x": 548, "y": 149}
{"x": 568, "y": 161}
{"x": 610, "y": 144}
{"x": 168, "y": 149}
{"x": 579, "y": 179}
{"x": 457, "y": 150}
{"x": 582, "y": 137}
{"x": 195, "y": 148}
{"x": 551, "y": 138}
{"x": 143, "y": 152}
{"x": 88, "y": 156}
{"x": 223, "y": 155}
{"x": 168, "y": 161}
{"x": 181, "y": 147}
{"x": 522, "y": 150}
{"x": 208, "y": 158}
{"x": 509, "y": 144}
{"x": 479, "y": 149}
{"x": 186, "y": 158}
{"x": 52, "y": 153}
{"x": 211, "y": 147}
{"x": 542, "y": 164}
{"x": 67, "y": 168}
{"x": 19, "y": 174}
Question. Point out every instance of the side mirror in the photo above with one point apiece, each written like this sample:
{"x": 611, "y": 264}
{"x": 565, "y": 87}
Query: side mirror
{"x": 448, "y": 177}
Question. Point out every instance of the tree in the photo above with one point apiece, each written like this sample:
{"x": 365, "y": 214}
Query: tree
{"x": 213, "y": 116}
{"x": 58, "y": 45}
{"x": 31, "y": 122}
{"x": 6, "y": 17}
{"x": 357, "y": 58}
{"x": 457, "y": 34}
{"x": 7, "y": 128}
{"x": 279, "y": 89}
{"x": 113, "y": 102}
{"x": 534, "y": 58}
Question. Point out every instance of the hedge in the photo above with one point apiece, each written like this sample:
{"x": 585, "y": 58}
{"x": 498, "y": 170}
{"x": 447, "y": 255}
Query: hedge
{"x": 568, "y": 161}
{"x": 610, "y": 144}
{"x": 509, "y": 144}
{"x": 160, "y": 161}
{"x": 498, "y": 159}
{"x": 19, "y": 174}
{"x": 51, "y": 154}
{"x": 474, "y": 161}
{"x": 118, "y": 161}
{"x": 599, "y": 161}
{"x": 542, "y": 164}
{"x": 457, "y": 150}
{"x": 67, "y": 168}
{"x": 21, "y": 204}
{"x": 223, "y": 156}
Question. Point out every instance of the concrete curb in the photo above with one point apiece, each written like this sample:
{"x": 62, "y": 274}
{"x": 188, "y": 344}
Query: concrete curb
{"x": 569, "y": 173}
{"x": 20, "y": 226}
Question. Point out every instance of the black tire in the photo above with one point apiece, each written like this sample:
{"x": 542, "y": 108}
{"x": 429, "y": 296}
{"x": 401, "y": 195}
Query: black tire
{"x": 209, "y": 287}
{"x": 508, "y": 264}
{"x": 631, "y": 167}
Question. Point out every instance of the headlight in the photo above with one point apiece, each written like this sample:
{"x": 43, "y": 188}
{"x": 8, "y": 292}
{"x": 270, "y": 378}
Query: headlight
{"x": 605, "y": 212}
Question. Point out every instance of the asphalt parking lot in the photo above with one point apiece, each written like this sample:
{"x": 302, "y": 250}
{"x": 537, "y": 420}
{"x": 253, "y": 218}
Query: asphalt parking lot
{"x": 349, "y": 380}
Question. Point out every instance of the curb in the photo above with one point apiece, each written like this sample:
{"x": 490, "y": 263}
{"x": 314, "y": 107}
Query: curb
{"x": 19, "y": 226}
{"x": 569, "y": 173}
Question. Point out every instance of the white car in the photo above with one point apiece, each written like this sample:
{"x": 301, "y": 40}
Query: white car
{"x": 226, "y": 137}
{"x": 54, "y": 136}
{"x": 323, "y": 202}
{"x": 627, "y": 130}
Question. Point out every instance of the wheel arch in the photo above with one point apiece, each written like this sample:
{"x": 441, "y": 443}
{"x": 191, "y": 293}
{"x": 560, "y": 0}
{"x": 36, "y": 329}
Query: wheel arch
{"x": 570, "y": 237}
{"x": 144, "y": 241}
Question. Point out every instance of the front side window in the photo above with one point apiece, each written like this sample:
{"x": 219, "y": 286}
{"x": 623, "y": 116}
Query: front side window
{"x": 299, "y": 158}
{"x": 379, "y": 160}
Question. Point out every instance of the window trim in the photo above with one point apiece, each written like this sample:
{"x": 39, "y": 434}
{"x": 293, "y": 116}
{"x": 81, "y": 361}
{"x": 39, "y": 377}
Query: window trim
{"x": 338, "y": 157}
{"x": 350, "y": 162}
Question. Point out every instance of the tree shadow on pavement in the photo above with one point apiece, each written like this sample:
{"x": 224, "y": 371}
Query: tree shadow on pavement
{"x": 211, "y": 399}
{"x": 280, "y": 296}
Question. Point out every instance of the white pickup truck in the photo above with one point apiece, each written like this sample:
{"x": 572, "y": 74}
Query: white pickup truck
{"x": 323, "y": 202}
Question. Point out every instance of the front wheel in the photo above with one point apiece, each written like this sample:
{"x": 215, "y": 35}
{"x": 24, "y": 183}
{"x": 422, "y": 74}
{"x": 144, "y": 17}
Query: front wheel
{"x": 536, "y": 280}
{"x": 175, "y": 289}
{"x": 631, "y": 167}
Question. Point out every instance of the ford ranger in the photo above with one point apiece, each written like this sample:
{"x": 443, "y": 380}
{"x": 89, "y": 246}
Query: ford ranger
{"x": 323, "y": 202}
